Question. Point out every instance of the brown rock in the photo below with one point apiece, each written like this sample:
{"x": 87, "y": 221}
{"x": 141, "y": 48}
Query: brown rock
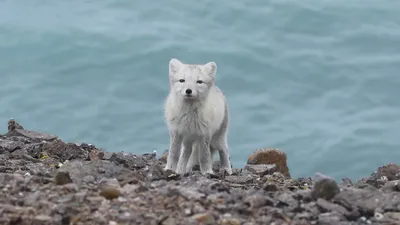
{"x": 110, "y": 193}
{"x": 110, "y": 188}
{"x": 270, "y": 156}
{"x": 93, "y": 155}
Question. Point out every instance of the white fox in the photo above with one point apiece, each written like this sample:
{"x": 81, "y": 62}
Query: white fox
{"x": 196, "y": 114}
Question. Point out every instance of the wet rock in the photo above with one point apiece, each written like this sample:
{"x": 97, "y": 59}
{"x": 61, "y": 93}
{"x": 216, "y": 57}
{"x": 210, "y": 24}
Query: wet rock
{"x": 325, "y": 188}
{"x": 261, "y": 169}
{"x": 270, "y": 156}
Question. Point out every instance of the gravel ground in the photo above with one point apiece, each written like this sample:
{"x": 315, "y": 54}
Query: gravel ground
{"x": 44, "y": 180}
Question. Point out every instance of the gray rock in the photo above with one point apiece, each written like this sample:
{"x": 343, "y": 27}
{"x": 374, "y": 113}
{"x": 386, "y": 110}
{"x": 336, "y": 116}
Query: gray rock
{"x": 10, "y": 146}
{"x": 325, "y": 188}
{"x": 62, "y": 178}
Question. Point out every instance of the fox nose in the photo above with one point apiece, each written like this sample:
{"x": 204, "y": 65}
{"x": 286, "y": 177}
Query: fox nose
{"x": 188, "y": 91}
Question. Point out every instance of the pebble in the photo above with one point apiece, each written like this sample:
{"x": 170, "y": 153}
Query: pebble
{"x": 205, "y": 218}
{"x": 230, "y": 221}
{"x": 62, "y": 178}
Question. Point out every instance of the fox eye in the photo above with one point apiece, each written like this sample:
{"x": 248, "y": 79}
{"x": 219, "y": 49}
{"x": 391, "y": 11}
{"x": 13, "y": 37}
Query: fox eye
{"x": 181, "y": 80}
{"x": 199, "y": 81}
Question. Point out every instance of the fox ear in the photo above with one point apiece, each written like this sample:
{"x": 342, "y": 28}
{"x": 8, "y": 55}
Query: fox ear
{"x": 174, "y": 66}
{"x": 210, "y": 68}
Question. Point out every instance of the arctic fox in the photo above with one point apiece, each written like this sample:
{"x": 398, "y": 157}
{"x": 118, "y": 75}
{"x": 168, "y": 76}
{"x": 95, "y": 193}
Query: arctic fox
{"x": 196, "y": 114}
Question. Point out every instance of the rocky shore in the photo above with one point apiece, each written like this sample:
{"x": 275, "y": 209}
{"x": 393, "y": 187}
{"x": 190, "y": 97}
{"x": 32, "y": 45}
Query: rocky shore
{"x": 44, "y": 180}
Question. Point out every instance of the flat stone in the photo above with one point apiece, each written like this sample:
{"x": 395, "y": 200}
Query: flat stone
{"x": 393, "y": 215}
{"x": 327, "y": 206}
{"x": 239, "y": 179}
{"x": 261, "y": 169}
{"x": 35, "y": 135}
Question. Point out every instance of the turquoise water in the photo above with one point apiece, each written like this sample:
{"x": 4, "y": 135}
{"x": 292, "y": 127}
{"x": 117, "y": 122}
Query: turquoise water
{"x": 318, "y": 79}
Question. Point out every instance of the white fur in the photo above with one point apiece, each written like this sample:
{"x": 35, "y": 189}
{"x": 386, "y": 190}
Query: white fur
{"x": 197, "y": 124}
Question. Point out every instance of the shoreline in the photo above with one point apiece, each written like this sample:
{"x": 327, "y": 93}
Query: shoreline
{"x": 44, "y": 180}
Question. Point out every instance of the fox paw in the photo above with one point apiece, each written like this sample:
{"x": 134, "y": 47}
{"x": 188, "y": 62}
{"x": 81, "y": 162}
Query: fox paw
{"x": 228, "y": 170}
{"x": 205, "y": 172}
{"x": 166, "y": 168}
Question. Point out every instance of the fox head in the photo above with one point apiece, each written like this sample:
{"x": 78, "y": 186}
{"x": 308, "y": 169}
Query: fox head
{"x": 190, "y": 81}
